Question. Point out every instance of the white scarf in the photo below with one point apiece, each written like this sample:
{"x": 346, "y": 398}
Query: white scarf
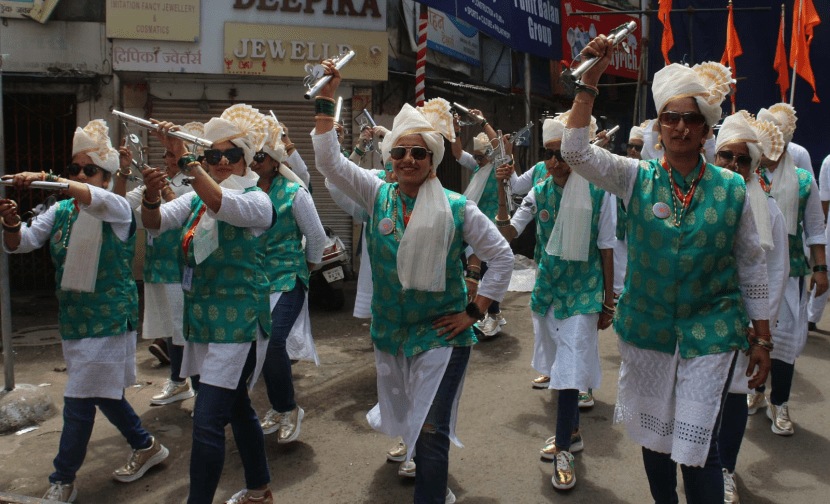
{"x": 206, "y": 234}
{"x": 571, "y": 235}
{"x": 422, "y": 253}
{"x": 478, "y": 182}
{"x": 760, "y": 211}
{"x": 80, "y": 267}
{"x": 785, "y": 191}
{"x": 290, "y": 175}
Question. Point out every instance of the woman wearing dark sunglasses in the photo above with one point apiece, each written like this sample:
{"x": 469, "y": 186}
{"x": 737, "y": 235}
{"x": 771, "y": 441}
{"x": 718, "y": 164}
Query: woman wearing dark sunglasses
{"x": 91, "y": 237}
{"x": 696, "y": 276}
{"x": 227, "y": 320}
{"x": 741, "y": 143}
{"x": 420, "y": 327}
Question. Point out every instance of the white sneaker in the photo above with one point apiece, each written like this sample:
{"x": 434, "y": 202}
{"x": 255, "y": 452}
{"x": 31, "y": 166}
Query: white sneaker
{"x": 60, "y": 492}
{"x": 172, "y": 392}
{"x": 397, "y": 453}
{"x": 491, "y": 326}
{"x": 730, "y": 490}
{"x": 450, "y": 497}
{"x": 407, "y": 469}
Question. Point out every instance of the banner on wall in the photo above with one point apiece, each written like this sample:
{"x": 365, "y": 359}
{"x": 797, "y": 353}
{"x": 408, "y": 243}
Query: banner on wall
{"x": 580, "y": 25}
{"x": 283, "y": 51}
{"x": 451, "y": 36}
{"x": 154, "y": 20}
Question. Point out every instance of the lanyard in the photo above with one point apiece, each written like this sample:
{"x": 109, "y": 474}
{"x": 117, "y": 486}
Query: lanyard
{"x": 188, "y": 237}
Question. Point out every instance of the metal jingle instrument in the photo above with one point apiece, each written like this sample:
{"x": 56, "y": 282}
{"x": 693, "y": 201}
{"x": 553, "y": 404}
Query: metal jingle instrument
{"x": 521, "y": 138}
{"x": 317, "y": 78}
{"x": 609, "y": 135}
{"x": 468, "y": 117}
{"x": 338, "y": 109}
{"x": 500, "y": 157}
{"x": 365, "y": 120}
{"x": 570, "y": 77}
{"x": 181, "y": 135}
{"x": 37, "y": 184}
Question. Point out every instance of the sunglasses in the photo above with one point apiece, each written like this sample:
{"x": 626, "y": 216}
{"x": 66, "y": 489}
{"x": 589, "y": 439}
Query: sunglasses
{"x": 259, "y": 157}
{"x": 552, "y": 153}
{"x": 636, "y": 147}
{"x": 89, "y": 170}
{"x": 418, "y": 153}
{"x": 670, "y": 118}
{"x": 741, "y": 159}
{"x": 233, "y": 155}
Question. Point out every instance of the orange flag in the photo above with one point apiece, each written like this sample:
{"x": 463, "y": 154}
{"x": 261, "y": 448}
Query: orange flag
{"x": 668, "y": 37}
{"x": 733, "y": 47}
{"x": 780, "y": 63}
{"x": 805, "y": 18}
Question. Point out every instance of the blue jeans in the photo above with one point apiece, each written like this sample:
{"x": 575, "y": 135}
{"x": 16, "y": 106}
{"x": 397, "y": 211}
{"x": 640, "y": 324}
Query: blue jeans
{"x": 494, "y": 307}
{"x": 78, "y": 419}
{"x": 432, "y": 449}
{"x": 732, "y": 429}
{"x": 176, "y": 354}
{"x": 567, "y": 417}
{"x": 215, "y": 408}
{"x": 277, "y": 368}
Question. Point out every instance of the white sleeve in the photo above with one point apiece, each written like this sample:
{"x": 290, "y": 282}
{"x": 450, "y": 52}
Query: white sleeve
{"x": 310, "y": 226}
{"x": 37, "y": 235}
{"x": 298, "y": 166}
{"x": 467, "y": 161}
{"x": 491, "y": 247}
{"x": 525, "y": 213}
{"x": 607, "y": 233}
{"x": 134, "y": 197}
{"x": 814, "y": 218}
{"x": 523, "y": 183}
{"x": 346, "y": 204}
{"x": 358, "y": 184}
{"x": 112, "y": 208}
{"x": 824, "y": 180}
{"x": 778, "y": 261}
{"x": 173, "y": 214}
{"x": 616, "y": 174}
{"x": 252, "y": 209}
{"x": 752, "y": 266}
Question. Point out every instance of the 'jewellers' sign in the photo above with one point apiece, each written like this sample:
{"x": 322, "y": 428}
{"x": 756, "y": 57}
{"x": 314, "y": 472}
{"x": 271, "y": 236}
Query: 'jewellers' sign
{"x": 257, "y": 49}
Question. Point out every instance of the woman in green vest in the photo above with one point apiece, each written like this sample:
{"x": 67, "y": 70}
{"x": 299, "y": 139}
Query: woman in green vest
{"x": 421, "y": 328}
{"x": 226, "y": 314}
{"x": 696, "y": 276}
{"x": 91, "y": 237}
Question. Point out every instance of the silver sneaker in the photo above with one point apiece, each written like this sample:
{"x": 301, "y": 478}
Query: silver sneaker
{"x": 397, "y": 453}
{"x": 290, "y": 425}
{"x": 140, "y": 461}
{"x": 61, "y": 492}
{"x": 780, "y": 416}
{"x": 730, "y": 490}
{"x": 407, "y": 469}
{"x": 491, "y": 325}
{"x": 755, "y": 401}
{"x": 271, "y": 422}
{"x": 450, "y": 499}
{"x": 172, "y": 392}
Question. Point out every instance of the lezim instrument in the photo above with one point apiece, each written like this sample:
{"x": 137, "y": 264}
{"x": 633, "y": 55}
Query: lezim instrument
{"x": 181, "y": 135}
{"x": 317, "y": 78}
{"x": 470, "y": 118}
{"x": 570, "y": 77}
{"x": 37, "y": 184}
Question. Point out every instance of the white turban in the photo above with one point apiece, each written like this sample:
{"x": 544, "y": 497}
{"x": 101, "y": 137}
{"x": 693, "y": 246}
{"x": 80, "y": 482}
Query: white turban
{"x": 636, "y": 133}
{"x": 422, "y": 253}
{"x": 481, "y": 143}
{"x": 708, "y": 83}
{"x": 554, "y": 129}
{"x": 276, "y": 149}
{"x": 196, "y": 129}
{"x": 243, "y": 126}
{"x": 783, "y": 116}
{"x": 94, "y": 141}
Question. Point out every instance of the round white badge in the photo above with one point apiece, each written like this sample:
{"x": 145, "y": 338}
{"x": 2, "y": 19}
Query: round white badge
{"x": 661, "y": 210}
{"x": 544, "y": 216}
{"x": 385, "y": 226}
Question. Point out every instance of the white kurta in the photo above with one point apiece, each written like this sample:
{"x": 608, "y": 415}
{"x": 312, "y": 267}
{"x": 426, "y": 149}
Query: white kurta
{"x": 220, "y": 364}
{"x": 817, "y": 304}
{"x": 96, "y": 367}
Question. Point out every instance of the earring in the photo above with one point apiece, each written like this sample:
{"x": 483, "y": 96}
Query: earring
{"x": 659, "y": 145}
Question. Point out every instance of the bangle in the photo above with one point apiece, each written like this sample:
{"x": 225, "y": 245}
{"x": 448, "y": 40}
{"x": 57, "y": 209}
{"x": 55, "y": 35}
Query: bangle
{"x": 473, "y": 275}
{"x": 11, "y": 229}
{"x": 51, "y": 177}
{"x": 484, "y": 123}
{"x": 289, "y": 146}
{"x": 124, "y": 175}
{"x": 474, "y": 267}
{"x": 474, "y": 311}
{"x": 820, "y": 267}
{"x": 591, "y": 90}
{"x": 185, "y": 160}
{"x": 758, "y": 342}
{"x": 583, "y": 102}
{"x": 502, "y": 223}
{"x": 150, "y": 205}
{"x": 324, "y": 106}
{"x": 359, "y": 152}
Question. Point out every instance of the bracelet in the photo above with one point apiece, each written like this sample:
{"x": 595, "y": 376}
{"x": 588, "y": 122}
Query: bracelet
{"x": 11, "y": 229}
{"x": 758, "y": 342}
{"x": 43, "y": 176}
{"x": 473, "y": 280}
{"x": 289, "y": 146}
{"x": 820, "y": 267}
{"x": 583, "y": 102}
{"x": 185, "y": 160}
{"x": 359, "y": 152}
{"x": 610, "y": 307}
{"x": 484, "y": 123}
{"x": 474, "y": 267}
{"x": 591, "y": 90}
{"x": 474, "y": 311}
{"x": 150, "y": 205}
{"x": 124, "y": 175}
{"x": 323, "y": 105}
{"x": 502, "y": 223}
{"x": 51, "y": 177}
{"x": 473, "y": 275}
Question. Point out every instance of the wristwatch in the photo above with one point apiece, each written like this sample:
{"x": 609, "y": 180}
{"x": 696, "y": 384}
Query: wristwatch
{"x": 474, "y": 311}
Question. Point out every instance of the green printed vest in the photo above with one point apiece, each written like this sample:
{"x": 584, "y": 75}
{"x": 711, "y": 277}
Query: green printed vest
{"x": 799, "y": 266}
{"x": 161, "y": 258}
{"x": 229, "y": 296}
{"x": 284, "y": 256}
{"x": 402, "y": 320}
{"x": 489, "y": 201}
{"x": 570, "y": 287}
{"x": 622, "y": 219}
{"x": 112, "y": 308}
{"x": 682, "y": 285}
{"x": 540, "y": 172}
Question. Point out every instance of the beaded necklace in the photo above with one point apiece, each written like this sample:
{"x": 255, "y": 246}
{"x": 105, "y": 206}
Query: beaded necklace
{"x": 406, "y": 215}
{"x": 763, "y": 181}
{"x": 75, "y": 210}
{"x": 685, "y": 199}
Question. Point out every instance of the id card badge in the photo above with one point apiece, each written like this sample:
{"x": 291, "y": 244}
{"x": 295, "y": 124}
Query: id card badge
{"x": 187, "y": 279}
